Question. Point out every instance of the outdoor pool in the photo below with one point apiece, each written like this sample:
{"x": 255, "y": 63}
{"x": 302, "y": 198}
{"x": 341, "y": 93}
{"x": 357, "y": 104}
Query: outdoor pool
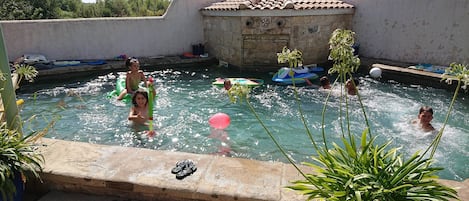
{"x": 186, "y": 100}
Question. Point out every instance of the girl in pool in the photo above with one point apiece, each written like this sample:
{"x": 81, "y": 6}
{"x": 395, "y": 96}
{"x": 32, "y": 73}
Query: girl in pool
{"x": 139, "y": 111}
{"x": 132, "y": 78}
{"x": 424, "y": 118}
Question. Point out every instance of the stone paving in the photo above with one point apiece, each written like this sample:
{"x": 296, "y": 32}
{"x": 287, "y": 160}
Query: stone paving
{"x": 116, "y": 173}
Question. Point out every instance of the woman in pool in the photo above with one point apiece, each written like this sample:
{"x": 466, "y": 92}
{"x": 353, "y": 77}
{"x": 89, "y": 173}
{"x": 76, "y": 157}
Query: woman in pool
{"x": 139, "y": 111}
{"x": 424, "y": 118}
{"x": 132, "y": 78}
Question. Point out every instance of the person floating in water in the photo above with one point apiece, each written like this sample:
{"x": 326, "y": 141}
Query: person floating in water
{"x": 227, "y": 84}
{"x": 325, "y": 83}
{"x": 139, "y": 111}
{"x": 351, "y": 86}
{"x": 424, "y": 118}
{"x": 133, "y": 77}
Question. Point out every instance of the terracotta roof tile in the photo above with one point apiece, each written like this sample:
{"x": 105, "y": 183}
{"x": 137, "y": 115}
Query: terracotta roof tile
{"x": 278, "y": 4}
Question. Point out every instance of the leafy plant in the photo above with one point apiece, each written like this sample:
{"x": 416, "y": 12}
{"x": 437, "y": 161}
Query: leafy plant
{"x": 17, "y": 153}
{"x": 25, "y": 71}
{"x": 363, "y": 169}
{"x": 17, "y": 156}
{"x": 292, "y": 57}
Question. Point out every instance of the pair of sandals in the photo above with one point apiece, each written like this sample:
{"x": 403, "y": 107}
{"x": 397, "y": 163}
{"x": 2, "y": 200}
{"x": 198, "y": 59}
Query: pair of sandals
{"x": 184, "y": 168}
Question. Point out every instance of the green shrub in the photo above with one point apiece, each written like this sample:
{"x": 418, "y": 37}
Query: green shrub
{"x": 17, "y": 156}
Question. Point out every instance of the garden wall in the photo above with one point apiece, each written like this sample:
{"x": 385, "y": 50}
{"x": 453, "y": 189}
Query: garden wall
{"x": 104, "y": 38}
{"x": 418, "y": 31}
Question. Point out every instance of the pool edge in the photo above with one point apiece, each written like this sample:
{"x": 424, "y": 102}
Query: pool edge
{"x": 145, "y": 174}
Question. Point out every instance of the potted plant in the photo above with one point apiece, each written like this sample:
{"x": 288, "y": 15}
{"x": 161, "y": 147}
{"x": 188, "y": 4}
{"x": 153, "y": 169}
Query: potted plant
{"x": 18, "y": 158}
{"x": 361, "y": 168}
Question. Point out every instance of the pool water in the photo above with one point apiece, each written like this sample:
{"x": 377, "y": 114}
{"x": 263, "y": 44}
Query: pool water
{"x": 186, "y": 100}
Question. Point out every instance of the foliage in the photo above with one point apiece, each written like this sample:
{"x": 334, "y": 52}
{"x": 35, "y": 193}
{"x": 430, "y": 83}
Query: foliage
{"x": 25, "y": 71}
{"x": 293, "y": 58}
{"x": 17, "y": 153}
{"x": 17, "y": 156}
{"x": 15, "y": 10}
{"x": 371, "y": 172}
{"x": 236, "y": 91}
{"x": 57, "y": 9}
{"x": 455, "y": 72}
{"x": 363, "y": 169}
{"x": 47, "y": 9}
{"x": 341, "y": 52}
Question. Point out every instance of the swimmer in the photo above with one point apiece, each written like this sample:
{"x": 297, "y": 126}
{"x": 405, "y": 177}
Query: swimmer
{"x": 351, "y": 86}
{"x": 227, "y": 84}
{"x": 139, "y": 111}
{"x": 424, "y": 118}
{"x": 325, "y": 83}
{"x": 133, "y": 78}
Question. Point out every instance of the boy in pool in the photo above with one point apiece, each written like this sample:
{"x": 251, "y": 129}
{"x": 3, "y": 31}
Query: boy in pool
{"x": 139, "y": 110}
{"x": 424, "y": 118}
{"x": 132, "y": 78}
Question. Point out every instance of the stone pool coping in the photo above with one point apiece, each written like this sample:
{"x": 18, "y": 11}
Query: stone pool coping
{"x": 145, "y": 174}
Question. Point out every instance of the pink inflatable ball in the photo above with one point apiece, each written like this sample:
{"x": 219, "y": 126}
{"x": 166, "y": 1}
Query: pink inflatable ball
{"x": 219, "y": 121}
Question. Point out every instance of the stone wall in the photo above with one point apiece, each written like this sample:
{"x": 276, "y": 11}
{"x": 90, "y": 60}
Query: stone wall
{"x": 253, "y": 41}
{"x": 222, "y": 36}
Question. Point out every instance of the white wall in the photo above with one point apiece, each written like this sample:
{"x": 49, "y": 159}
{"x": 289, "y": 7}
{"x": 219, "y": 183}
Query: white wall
{"x": 416, "y": 31}
{"x": 104, "y": 38}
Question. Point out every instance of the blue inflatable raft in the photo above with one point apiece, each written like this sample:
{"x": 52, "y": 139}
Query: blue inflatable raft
{"x": 298, "y": 75}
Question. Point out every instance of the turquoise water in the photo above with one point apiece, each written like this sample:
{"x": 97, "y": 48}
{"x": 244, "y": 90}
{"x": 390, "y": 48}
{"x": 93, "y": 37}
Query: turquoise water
{"x": 186, "y": 100}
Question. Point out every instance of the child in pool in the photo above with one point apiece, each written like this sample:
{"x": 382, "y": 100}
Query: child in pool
{"x": 424, "y": 118}
{"x": 325, "y": 83}
{"x": 132, "y": 78}
{"x": 139, "y": 110}
{"x": 351, "y": 86}
{"x": 227, "y": 84}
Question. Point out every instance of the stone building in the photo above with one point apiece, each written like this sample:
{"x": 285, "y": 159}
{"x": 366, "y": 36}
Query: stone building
{"x": 249, "y": 33}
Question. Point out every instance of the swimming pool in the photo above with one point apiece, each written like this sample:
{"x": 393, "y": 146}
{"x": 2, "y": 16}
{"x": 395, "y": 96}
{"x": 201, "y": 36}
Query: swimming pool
{"x": 186, "y": 100}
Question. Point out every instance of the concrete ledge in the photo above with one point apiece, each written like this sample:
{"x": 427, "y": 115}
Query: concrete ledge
{"x": 145, "y": 174}
{"x": 400, "y": 72}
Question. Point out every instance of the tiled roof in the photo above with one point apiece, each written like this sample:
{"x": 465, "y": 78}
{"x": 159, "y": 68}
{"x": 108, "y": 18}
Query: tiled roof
{"x": 278, "y": 4}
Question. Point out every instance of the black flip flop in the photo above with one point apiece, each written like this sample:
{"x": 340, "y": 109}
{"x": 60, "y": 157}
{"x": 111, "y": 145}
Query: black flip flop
{"x": 188, "y": 169}
{"x": 179, "y": 166}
